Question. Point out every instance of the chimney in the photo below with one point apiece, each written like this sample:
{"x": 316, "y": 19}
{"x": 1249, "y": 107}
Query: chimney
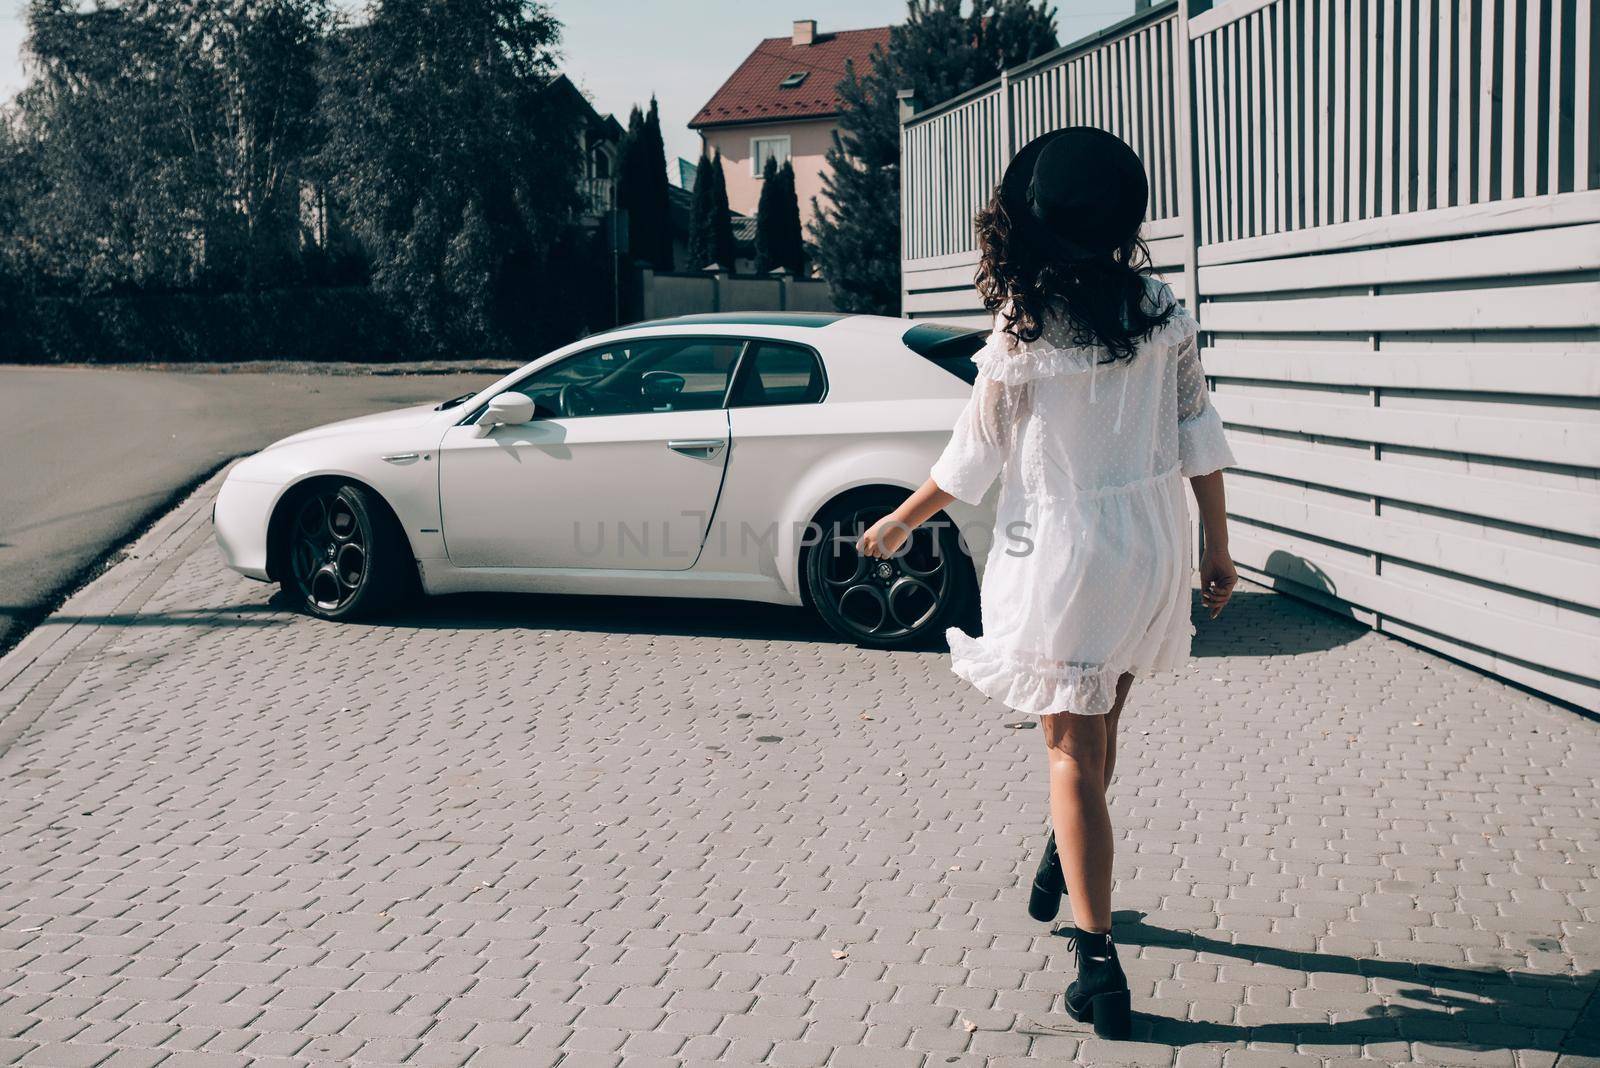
{"x": 805, "y": 33}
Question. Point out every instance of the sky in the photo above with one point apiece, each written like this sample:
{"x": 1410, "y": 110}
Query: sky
{"x": 621, "y": 51}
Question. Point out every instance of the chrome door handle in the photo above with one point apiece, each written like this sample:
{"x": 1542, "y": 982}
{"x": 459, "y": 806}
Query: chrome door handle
{"x": 700, "y": 447}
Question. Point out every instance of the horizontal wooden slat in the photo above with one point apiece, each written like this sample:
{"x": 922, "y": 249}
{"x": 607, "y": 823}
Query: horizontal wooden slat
{"x": 1228, "y": 11}
{"x": 1164, "y": 229}
{"x": 1167, "y": 251}
{"x": 1556, "y": 374}
{"x": 1527, "y": 213}
{"x": 1563, "y": 687}
{"x": 1565, "y": 305}
{"x": 1552, "y": 647}
{"x": 1557, "y": 577}
{"x": 1568, "y": 511}
{"x": 955, "y": 317}
{"x": 968, "y": 258}
{"x": 913, "y": 304}
{"x": 958, "y": 277}
{"x": 1546, "y": 251}
{"x": 1546, "y": 440}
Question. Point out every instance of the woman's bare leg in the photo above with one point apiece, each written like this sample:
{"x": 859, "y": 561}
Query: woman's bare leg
{"x": 1081, "y": 751}
{"x": 1113, "y": 718}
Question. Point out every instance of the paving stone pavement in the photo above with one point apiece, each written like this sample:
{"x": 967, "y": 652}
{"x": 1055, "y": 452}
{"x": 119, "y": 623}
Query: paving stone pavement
{"x": 535, "y": 831}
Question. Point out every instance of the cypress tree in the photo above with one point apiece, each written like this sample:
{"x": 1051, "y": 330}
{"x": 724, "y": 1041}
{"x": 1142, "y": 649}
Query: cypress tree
{"x": 778, "y": 240}
{"x": 657, "y": 199}
{"x": 703, "y": 217}
{"x": 792, "y": 247}
{"x": 769, "y": 236}
{"x": 726, "y": 248}
{"x": 630, "y": 194}
{"x": 642, "y": 190}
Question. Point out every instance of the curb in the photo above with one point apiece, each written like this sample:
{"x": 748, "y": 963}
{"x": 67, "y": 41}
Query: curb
{"x": 47, "y": 660}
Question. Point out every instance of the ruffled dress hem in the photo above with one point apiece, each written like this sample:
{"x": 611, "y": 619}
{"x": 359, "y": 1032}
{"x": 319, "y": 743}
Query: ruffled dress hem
{"x": 1082, "y": 689}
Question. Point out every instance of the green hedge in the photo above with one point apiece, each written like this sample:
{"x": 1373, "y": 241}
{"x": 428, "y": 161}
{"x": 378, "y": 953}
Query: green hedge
{"x": 289, "y": 324}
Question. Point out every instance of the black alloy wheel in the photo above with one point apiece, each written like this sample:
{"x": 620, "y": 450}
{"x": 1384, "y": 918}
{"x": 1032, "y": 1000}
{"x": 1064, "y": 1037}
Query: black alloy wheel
{"x": 346, "y": 556}
{"x": 895, "y": 603}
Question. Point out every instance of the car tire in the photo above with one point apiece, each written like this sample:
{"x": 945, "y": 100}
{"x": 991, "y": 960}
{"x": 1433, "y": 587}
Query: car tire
{"x": 344, "y": 554}
{"x": 904, "y": 602}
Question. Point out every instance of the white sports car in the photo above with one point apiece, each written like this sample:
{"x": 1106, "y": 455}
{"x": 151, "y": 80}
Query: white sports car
{"x": 731, "y": 455}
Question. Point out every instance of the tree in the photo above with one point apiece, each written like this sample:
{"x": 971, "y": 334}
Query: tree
{"x": 726, "y": 248}
{"x": 778, "y": 242}
{"x": 937, "y": 53}
{"x": 642, "y": 190}
{"x": 659, "y": 200}
{"x": 263, "y": 67}
{"x": 793, "y": 243}
{"x": 453, "y": 165}
{"x": 164, "y": 137}
{"x": 767, "y": 239}
{"x": 703, "y": 217}
{"x": 13, "y": 187}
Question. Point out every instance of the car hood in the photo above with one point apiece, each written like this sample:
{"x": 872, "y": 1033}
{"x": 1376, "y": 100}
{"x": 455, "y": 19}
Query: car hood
{"x": 399, "y": 419}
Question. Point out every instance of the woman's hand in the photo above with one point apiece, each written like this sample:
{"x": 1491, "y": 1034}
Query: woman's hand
{"x": 885, "y": 537}
{"x": 1217, "y": 580}
{"x": 890, "y": 533}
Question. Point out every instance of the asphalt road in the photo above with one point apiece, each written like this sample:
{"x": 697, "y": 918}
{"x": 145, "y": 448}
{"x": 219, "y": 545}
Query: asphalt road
{"x": 90, "y": 455}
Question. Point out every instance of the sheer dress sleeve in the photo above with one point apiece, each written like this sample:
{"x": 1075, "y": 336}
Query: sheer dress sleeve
{"x": 1202, "y": 447}
{"x": 986, "y": 431}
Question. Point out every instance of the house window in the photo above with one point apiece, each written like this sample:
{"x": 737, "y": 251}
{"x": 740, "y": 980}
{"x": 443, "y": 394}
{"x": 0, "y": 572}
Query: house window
{"x": 794, "y": 80}
{"x": 765, "y": 148}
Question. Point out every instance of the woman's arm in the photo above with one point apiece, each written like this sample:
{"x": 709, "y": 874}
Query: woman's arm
{"x": 1217, "y": 574}
{"x": 969, "y": 464}
{"x": 891, "y": 532}
{"x": 1203, "y": 452}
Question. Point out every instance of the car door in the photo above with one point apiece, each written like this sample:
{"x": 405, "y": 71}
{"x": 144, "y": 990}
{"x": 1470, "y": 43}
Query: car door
{"x": 619, "y": 468}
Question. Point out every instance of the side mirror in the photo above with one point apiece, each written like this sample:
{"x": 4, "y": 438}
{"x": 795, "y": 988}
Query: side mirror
{"x": 660, "y": 385}
{"x": 505, "y": 409}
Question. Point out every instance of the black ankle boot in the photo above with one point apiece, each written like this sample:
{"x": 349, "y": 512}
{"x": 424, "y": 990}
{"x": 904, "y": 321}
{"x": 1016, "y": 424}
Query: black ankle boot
{"x": 1048, "y": 883}
{"x": 1100, "y": 993}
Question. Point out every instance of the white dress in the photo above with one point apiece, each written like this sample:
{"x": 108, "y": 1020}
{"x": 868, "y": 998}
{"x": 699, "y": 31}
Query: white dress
{"x": 1089, "y": 573}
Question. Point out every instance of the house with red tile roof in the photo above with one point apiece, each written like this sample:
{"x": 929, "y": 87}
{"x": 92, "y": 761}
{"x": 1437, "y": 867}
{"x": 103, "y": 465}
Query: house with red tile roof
{"x": 782, "y": 102}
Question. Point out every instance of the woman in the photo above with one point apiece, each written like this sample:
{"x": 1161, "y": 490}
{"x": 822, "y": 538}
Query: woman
{"x": 1091, "y": 408}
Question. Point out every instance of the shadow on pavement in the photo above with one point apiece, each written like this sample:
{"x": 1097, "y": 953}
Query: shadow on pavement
{"x": 676, "y": 616}
{"x": 1487, "y": 1008}
{"x": 251, "y": 615}
{"x": 1260, "y": 622}
{"x": 1254, "y": 624}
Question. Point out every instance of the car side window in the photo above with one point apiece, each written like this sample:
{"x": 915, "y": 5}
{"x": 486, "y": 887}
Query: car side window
{"x": 635, "y": 376}
{"x": 778, "y": 373}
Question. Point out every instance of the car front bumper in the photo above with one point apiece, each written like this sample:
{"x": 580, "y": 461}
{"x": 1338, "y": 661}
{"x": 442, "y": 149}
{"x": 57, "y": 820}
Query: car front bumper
{"x": 240, "y": 520}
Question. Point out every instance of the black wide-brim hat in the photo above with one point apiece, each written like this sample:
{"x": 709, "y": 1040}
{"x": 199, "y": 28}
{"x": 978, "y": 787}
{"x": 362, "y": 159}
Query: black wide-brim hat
{"x": 1076, "y": 193}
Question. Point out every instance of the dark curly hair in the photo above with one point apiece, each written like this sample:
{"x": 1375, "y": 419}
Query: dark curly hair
{"x": 1102, "y": 299}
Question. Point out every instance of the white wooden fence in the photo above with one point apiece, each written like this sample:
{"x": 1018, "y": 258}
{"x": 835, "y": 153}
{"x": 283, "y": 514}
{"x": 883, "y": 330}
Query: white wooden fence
{"x": 1386, "y": 215}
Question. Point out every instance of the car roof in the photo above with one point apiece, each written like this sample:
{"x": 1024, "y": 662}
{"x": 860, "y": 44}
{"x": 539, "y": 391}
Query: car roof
{"x": 794, "y": 325}
{"x": 814, "y": 320}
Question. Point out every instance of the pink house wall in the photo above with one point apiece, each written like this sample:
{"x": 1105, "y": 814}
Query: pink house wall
{"x": 809, "y": 141}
